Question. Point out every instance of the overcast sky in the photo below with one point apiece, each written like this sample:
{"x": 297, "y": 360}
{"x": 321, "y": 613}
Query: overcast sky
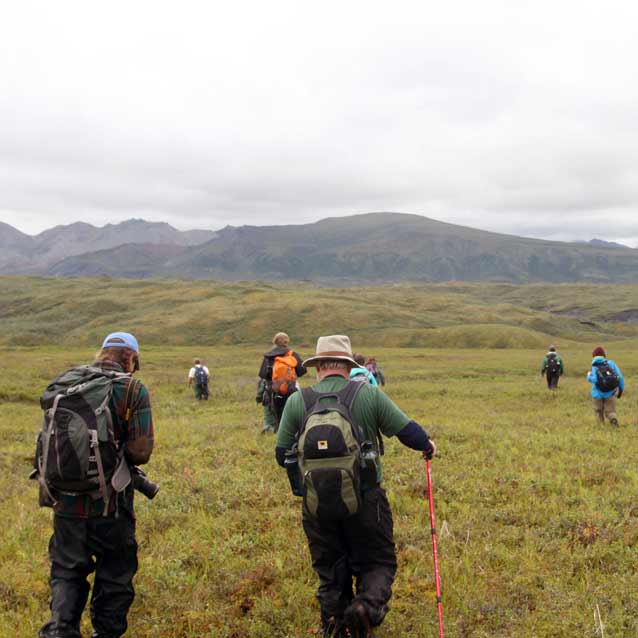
{"x": 521, "y": 119}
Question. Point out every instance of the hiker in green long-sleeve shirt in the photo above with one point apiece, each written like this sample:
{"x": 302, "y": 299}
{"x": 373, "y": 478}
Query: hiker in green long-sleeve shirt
{"x": 552, "y": 368}
{"x": 346, "y": 515}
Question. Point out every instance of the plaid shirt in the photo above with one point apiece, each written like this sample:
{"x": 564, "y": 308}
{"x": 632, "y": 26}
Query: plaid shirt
{"x": 136, "y": 434}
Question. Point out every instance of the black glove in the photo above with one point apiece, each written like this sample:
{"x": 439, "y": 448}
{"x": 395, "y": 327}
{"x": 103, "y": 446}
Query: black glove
{"x": 619, "y": 394}
{"x": 429, "y": 453}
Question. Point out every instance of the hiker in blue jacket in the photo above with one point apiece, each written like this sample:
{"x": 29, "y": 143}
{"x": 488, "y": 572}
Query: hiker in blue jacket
{"x": 608, "y": 385}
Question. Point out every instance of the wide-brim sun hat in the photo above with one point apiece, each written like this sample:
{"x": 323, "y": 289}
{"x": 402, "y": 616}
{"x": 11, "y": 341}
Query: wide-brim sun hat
{"x": 333, "y": 347}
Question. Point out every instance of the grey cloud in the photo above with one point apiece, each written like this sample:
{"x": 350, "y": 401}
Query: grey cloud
{"x": 494, "y": 117}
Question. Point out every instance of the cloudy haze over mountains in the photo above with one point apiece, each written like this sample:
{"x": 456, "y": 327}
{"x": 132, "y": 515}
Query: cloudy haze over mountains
{"x": 522, "y": 120}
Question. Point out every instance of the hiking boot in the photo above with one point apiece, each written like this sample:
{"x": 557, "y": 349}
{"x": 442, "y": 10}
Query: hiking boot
{"x": 614, "y": 422}
{"x": 358, "y": 621}
{"x": 334, "y": 629}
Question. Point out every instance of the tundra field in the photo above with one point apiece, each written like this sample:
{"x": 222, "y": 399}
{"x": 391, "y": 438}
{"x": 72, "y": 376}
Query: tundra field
{"x": 537, "y": 505}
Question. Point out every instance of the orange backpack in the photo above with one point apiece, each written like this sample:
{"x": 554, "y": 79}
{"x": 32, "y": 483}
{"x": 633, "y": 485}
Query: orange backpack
{"x": 284, "y": 374}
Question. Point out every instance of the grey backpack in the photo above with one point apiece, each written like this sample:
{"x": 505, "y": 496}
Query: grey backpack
{"x": 76, "y": 449}
{"x": 329, "y": 453}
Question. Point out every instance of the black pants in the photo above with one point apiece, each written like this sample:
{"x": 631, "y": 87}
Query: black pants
{"x": 77, "y": 548}
{"x": 552, "y": 380}
{"x": 201, "y": 391}
{"x": 278, "y": 404}
{"x": 361, "y": 546}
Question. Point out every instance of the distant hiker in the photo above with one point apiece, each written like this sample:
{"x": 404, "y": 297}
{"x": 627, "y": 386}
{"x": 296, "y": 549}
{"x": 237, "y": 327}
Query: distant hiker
{"x": 361, "y": 373}
{"x": 198, "y": 377}
{"x": 84, "y": 465}
{"x": 332, "y": 431}
{"x": 608, "y": 385}
{"x": 372, "y": 366}
{"x": 280, "y": 369}
{"x": 552, "y": 368}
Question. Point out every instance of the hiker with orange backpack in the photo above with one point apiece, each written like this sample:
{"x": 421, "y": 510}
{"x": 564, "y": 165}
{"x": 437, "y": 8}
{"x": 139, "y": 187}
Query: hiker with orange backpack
{"x": 280, "y": 369}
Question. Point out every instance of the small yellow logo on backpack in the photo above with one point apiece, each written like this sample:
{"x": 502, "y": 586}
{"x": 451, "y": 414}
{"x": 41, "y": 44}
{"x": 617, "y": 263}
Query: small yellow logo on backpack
{"x": 322, "y": 445}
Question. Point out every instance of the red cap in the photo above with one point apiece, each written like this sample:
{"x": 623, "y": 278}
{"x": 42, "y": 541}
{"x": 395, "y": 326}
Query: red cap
{"x": 599, "y": 351}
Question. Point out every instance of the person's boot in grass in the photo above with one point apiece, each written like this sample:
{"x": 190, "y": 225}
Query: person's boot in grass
{"x": 614, "y": 422}
{"x": 358, "y": 621}
{"x": 334, "y": 629}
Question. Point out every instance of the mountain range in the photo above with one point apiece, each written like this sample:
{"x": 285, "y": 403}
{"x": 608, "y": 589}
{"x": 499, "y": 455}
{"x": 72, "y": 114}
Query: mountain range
{"x": 27, "y": 254}
{"x": 373, "y": 247}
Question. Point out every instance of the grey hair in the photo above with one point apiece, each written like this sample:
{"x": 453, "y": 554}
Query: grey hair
{"x": 281, "y": 339}
{"x": 333, "y": 364}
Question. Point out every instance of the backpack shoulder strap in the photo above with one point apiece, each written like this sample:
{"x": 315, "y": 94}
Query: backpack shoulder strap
{"x": 347, "y": 395}
{"x": 350, "y": 393}
{"x": 132, "y": 392}
{"x": 310, "y": 398}
{"x": 346, "y": 398}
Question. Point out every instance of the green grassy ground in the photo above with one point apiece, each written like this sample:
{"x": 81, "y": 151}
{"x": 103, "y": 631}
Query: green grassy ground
{"x": 78, "y": 312}
{"x": 536, "y": 504}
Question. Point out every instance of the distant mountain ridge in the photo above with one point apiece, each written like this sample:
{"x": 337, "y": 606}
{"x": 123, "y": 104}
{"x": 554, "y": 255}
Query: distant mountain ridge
{"x": 372, "y": 247}
{"x": 26, "y": 254}
{"x": 602, "y": 243}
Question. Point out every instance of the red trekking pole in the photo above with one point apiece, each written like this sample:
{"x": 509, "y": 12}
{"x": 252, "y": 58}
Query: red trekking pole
{"x": 435, "y": 550}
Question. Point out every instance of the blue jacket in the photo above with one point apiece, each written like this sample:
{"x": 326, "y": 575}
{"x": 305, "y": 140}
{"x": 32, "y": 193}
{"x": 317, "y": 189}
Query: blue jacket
{"x": 591, "y": 377}
{"x": 355, "y": 372}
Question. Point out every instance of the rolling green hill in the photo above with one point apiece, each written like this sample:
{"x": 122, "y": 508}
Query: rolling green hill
{"x": 37, "y": 311}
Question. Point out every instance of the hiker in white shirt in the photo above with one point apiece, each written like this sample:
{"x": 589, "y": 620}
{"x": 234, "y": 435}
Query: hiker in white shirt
{"x": 198, "y": 377}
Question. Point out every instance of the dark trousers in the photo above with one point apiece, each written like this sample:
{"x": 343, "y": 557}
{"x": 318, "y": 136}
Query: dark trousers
{"x": 77, "y": 548}
{"x": 201, "y": 391}
{"x": 552, "y": 380}
{"x": 278, "y": 405}
{"x": 361, "y": 546}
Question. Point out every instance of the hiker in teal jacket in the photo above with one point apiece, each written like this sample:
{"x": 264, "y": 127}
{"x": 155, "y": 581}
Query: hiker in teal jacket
{"x": 605, "y": 400}
{"x": 362, "y": 372}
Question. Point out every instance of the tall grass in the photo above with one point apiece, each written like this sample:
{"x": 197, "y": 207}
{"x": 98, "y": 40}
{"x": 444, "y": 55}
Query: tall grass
{"x": 536, "y": 508}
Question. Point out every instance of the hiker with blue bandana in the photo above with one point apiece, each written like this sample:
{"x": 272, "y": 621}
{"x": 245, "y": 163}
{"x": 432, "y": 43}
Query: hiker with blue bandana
{"x": 608, "y": 384}
{"x": 97, "y": 428}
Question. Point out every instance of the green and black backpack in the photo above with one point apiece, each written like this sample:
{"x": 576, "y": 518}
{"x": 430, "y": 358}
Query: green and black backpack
{"x": 329, "y": 452}
{"x": 76, "y": 449}
{"x": 553, "y": 363}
